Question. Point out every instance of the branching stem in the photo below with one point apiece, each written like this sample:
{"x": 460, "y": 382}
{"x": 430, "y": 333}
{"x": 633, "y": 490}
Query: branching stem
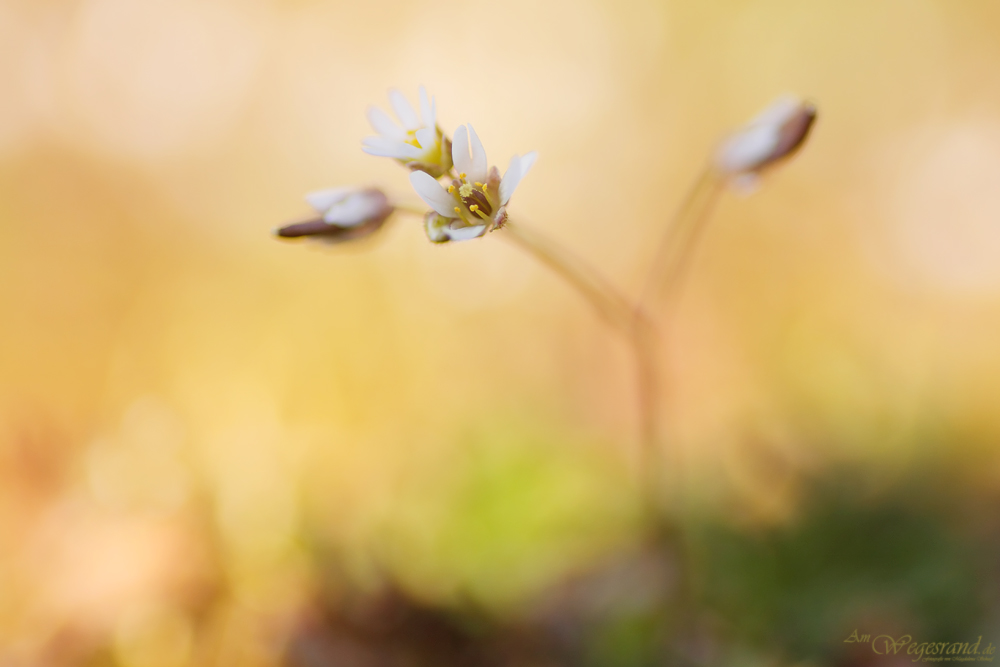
{"x": 630, "y": 322}
{"x": 680, "y": 240}
{"x": 631, "y": 318}
{"x": 666, "y": 276}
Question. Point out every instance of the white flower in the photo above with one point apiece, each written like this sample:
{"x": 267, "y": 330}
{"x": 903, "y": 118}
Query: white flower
{"x": 345, "y": 214}
{"x": 416, "y": 141}
{"x": 476, "y": 201}
{"x": 776, "y": 133}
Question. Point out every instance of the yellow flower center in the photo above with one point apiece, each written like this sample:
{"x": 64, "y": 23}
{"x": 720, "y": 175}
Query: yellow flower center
{"x": 474, "y": 197}
{"x": 431, "y": 155}
{"x": 411, "y": 138}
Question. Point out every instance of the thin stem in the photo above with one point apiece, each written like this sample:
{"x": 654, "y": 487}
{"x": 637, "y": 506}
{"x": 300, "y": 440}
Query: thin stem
{"x": 414, "y": 209}
{"x": 609, "y": 303}
{"x": 670, "y": 265}
{"x": 666, "y": 276}
{"x": 680, "y": 240}
{"x": 644, "y": 346}
{"x": 628, "y": 320}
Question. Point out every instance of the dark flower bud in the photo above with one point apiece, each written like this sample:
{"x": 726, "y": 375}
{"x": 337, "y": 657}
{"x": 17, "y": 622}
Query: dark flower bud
{"x": 345, "y": 214}
{"x": 777, "y": 133}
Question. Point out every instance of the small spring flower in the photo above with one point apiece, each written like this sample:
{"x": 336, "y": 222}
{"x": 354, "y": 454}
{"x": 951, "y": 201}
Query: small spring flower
{"x": 772, "y": 136}
{"x": 476, "y": 201}
{"x": 346, "y": 214}
{"x": 417, "y": 142}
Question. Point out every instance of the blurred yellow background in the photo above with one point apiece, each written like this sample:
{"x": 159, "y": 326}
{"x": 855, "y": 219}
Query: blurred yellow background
{"x": 192, "y": 413}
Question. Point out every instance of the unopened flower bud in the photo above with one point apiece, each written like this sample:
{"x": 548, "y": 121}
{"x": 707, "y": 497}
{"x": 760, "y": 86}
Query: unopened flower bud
{"x": 345, "y": 214}
{"x": 772, "y": 136}
{"x": 442, "y": 230}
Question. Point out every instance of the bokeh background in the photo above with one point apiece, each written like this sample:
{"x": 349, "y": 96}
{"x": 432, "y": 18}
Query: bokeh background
{"x": 221, "y": 449}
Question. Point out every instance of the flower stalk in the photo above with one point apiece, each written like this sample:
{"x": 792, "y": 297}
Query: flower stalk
{"x": 474, "y": 200}
{"x": 608, "y": 302}
{"x": 637, "y": 330}
{"x": 680, "y": 240}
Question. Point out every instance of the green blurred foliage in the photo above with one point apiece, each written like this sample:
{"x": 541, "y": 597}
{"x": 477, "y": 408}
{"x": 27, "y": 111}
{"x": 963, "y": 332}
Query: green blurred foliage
{"x": 900, "y": 560}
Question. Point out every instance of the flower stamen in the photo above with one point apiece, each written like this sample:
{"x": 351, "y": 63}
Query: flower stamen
{"x": 479, "y": 200}
{"x": 466, "y": 208}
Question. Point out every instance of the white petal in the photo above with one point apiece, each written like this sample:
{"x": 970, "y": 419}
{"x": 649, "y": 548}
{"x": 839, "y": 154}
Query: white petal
{"x": 432, "y": 193}
{"x": 388, "y": 148}
{"x": 465, "y": 233}
{"x": 753, "y": 146}
{"x": 426, "y": 109}
{"x": 747, "y": 149}
{"x": 426, "y": 137}
{"x": 356, "y": 209}
{"x": 527, "y": 162}
{"x": 321, "y": 200}
{"x": 479, "y": 168}
{"x": 405, "y": 112}
{"x": 510, "y": 180}
{"x": 460, "y": 151}
{"x": 384, "y": 125}
{"x": 779, "y": 112}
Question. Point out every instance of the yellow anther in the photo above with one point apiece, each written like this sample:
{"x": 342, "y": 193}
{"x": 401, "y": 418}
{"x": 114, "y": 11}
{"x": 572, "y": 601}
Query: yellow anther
{"x": 474, "y": 208}
{"x": 479, "y": 185}
{"x": 451, "y": 189}
{"x": 462, "y": 175}
{"x": 412, "y": 139}
{"x": 458, "y": 210}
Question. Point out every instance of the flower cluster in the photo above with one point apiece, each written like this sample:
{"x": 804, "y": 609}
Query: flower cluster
{"x": 473, "y": 201}
{"x": 468, "y": 197}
